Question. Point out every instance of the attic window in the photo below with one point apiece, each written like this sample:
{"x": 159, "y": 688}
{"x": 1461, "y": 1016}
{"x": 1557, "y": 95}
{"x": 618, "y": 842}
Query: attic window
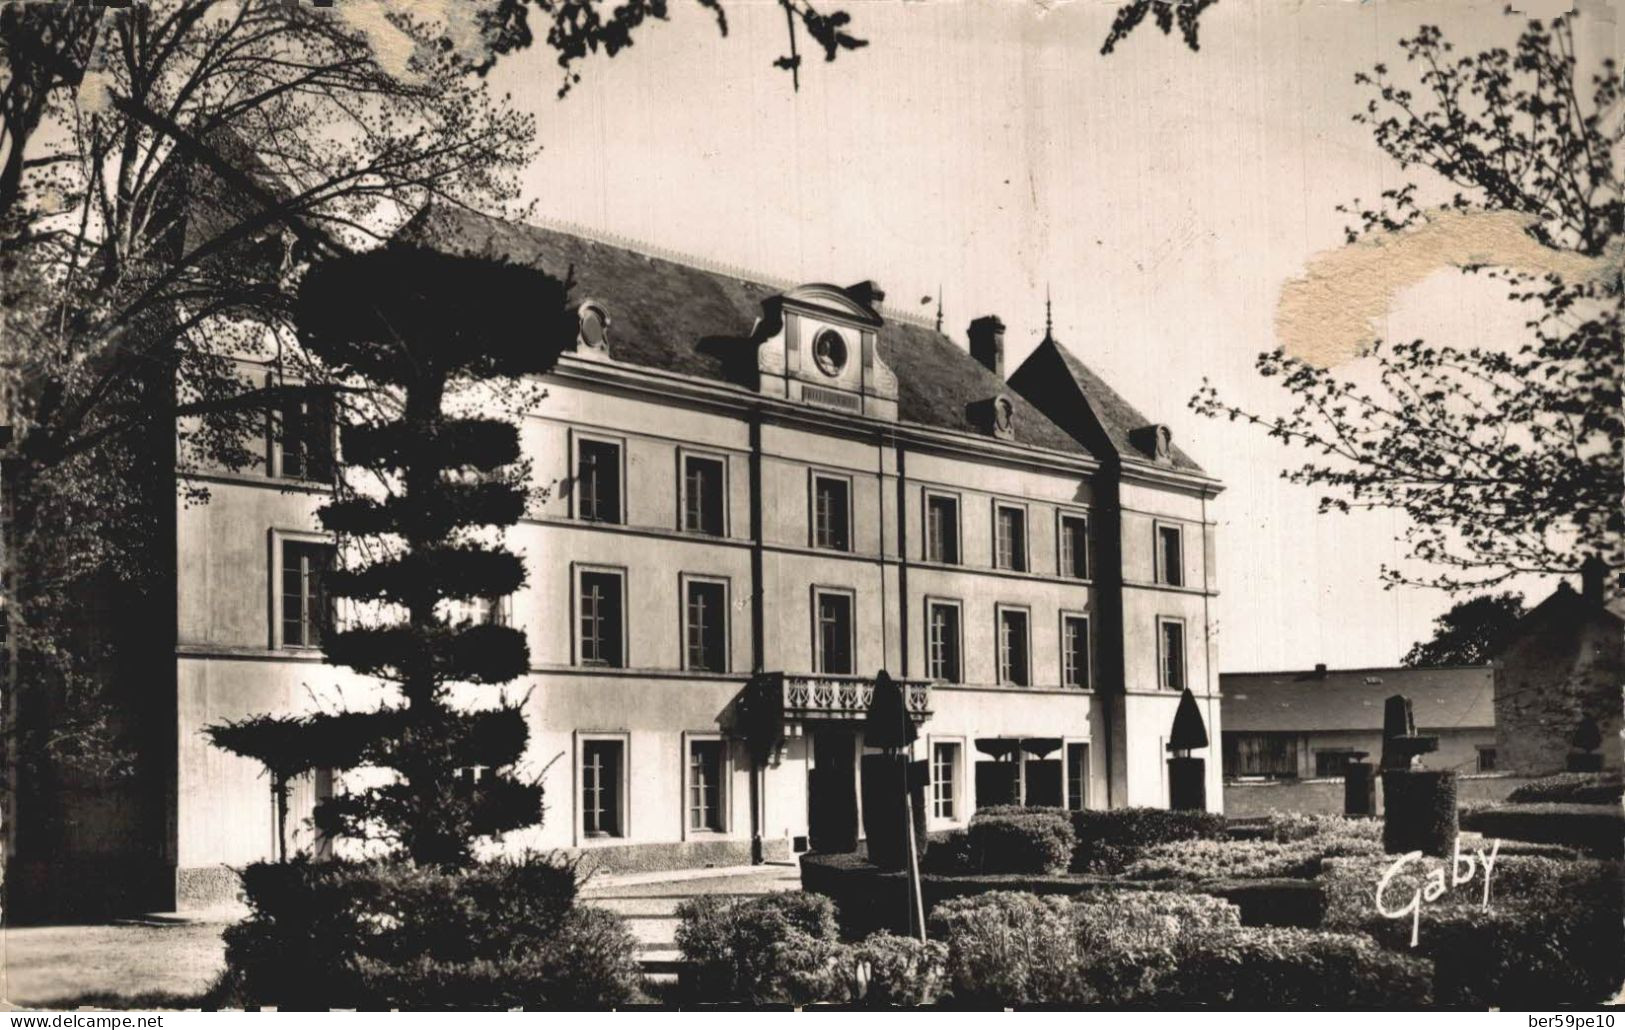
{"x": 994, "y": 416}
{"x": 829, "y": 352}
{"x": 593, "y": 327}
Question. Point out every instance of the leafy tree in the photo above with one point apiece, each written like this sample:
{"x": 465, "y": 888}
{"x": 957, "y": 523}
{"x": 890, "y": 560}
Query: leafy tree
{"x": 419, "y": 539}
{"x": 1505, "y": 462}
{"x": 1469, "y": 633}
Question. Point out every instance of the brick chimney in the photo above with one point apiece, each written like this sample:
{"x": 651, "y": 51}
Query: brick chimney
{"x": 1593, "y": 575}
{"x": 987, "y": 343}
{"x": 868, "y": 293}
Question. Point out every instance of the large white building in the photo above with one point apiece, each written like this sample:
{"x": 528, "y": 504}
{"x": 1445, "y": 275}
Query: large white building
{"x": 765, "y": 490}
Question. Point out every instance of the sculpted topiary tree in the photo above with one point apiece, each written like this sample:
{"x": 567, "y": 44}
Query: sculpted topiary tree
{"x": 409, "y": 329}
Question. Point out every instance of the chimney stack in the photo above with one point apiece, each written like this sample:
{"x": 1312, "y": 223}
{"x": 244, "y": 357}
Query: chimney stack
{"x": 1320, "y": 670}
{"x": 987, "y": 344}
{"x": 868, "y": 293}
{"x": 1593, "y": 575}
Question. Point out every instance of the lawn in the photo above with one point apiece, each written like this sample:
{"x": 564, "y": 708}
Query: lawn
{"x": 154, "y": 962}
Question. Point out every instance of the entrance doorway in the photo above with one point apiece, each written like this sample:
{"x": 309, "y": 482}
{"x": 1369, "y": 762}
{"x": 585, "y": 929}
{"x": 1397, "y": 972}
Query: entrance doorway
{"x": 832, "y": 791}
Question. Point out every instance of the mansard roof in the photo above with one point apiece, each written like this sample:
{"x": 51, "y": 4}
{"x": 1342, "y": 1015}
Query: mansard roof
{"x": 1311, "y": 701}
{"x": 1057, "y": 381}
{"x": 678, "y": 317}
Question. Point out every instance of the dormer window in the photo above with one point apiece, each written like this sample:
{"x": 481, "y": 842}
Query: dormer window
{"x": 829, "y": 352}
{"x": 593, "y": 327}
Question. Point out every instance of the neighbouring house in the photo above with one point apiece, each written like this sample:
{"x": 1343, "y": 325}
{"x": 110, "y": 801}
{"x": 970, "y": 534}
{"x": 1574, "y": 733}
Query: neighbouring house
{"x": 1309, "y": 725}
{"x": 1563, "y": 664}
{"x": 756, "y": 495}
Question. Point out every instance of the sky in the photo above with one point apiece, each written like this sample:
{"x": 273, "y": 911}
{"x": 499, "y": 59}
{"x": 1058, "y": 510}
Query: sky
{"x": 986, "y": 152}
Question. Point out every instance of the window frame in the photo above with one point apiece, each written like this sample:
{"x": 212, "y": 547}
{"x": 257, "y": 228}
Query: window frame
{"x": 926, "y": 497}
{"x": 1158, "y": 559}
{"x": 578, "y": 832}
{"x": 1088, "y": 648}
{"x": 851, "y": 596}
{"x": 684, "y": 580}
{"x": 999, "y": 612}
{"x": 720, "y": 458}
{"x": 274, "y": 449}
{"x": 1479, "y": 751}
{"x": 577, "y": 438}
{"x": 577, "y": 570}
{"x": 1185, "y": 652}
{"x": 1020, "y": 507}
{"x": 931, "y": 601}
{"x": 1062, "y": 516}
{"x": 961, "y": 801}
{"x": 1067, "y": 744}
{"x": 276, "y": 538}
{"x": 724, "y": 784}
{"x": 844, "y": 478}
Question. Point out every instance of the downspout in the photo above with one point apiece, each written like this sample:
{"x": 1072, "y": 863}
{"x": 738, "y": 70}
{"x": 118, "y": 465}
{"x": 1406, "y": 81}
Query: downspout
{"x": 758, "y": 644}
{"x": 902, "y": 554}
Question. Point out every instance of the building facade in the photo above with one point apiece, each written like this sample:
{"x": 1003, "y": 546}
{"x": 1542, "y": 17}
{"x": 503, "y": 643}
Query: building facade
{"x": 761, "y": 495}
{"x": 1310, "y": 724}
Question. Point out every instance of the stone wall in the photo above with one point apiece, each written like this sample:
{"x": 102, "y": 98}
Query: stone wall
{"x": 1326, "y": 796}
{"x": 1548, "y": 681}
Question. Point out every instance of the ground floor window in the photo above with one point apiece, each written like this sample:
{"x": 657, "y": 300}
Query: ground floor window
{"x": 1020, "y": 771}
{"x": 603, "y": 772}
{"x": 1077, "y": 777}
{"x": 944, "y": 773}
{"x": 1334, "y": 762}
{"x": 1261, "y": 754}
{"x": 705, "y": 795}
{"x": 1486, "y": 759}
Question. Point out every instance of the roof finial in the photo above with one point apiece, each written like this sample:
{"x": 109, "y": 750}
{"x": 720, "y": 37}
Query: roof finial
{"x": 1048, "y": 324}
{"x": 939, "y": 307}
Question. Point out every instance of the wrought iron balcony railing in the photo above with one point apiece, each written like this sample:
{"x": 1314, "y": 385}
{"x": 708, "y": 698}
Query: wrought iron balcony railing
{"x": 802, "y": 696}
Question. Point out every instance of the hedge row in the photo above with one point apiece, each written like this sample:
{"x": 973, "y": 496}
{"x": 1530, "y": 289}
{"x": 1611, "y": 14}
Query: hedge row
{"x": 1014, "y": 839}
{"x": 1571, "y": 788}
{"x": 1598, "y": 829}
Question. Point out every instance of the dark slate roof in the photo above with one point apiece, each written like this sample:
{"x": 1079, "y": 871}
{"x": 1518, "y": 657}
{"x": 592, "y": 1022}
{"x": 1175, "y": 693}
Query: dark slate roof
{"x": 678, "y": 317}
{"x": 1117, "y": 418}
{"x": 1459, "y": 697}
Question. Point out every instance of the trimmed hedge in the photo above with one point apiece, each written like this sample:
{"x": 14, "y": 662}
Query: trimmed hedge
{"x": 902, "y": 972}
{"x": 1551, "y": 936}
{"x": 1021, "y": 840}
{"x": 1281, "y": 968}
{"x": 392, "y": 935}
{"x": 1598, "y": 829}
{"x": 1571, "y": 789}
{"x": 1245, "y": 859}
{"x": 774, "y": 949}
{"x": 1108, "y": 840}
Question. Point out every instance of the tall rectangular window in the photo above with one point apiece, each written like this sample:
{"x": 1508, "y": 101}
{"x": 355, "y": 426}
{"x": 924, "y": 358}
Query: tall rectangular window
{"x": 602, "y": 774}
{"x": 599, "y": 614}
{"x": 944, "y": 773}
{"x": 1486, "y": 759}
{"x": 1075, "y": 651}
{"x": 942, "y": 530}
{"x": 479, "y": 611}
{"x": 702, "y": 495}
{"x": 1170, "y": 556}
{"x": 1014, "y": 668}
{"x": 1075, "y": 546}
{"x": 1077, "y": 776}
{"x": 302, "y": 433}
{"x": 942, "y": 642}
{"x": 705, "y": 629}
{"x": 835, "y": 634}
{"x": 598, "y": 481}
{"x": 1172, "y": 641}
{"x": 1010, "y": 538}
{"x": 831, "y": 513}
{"x": 705, "y": 785}
{"x": 305, "y": 612}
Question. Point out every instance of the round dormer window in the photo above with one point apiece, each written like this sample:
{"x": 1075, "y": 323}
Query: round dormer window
{"x": 829, "y": 351}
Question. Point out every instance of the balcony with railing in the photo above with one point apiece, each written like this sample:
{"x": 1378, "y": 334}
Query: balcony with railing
{"x": 794, "y": 698}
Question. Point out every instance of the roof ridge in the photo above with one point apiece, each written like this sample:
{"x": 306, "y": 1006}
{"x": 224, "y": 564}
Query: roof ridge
{"x": 1481, "y": 667}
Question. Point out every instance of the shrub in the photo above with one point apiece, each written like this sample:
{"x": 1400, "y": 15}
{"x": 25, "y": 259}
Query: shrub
{"x": 950, "y": 853}
{"x": 1419, "y": 811}
{"x": 1571, "y": 788}
{"x": 1245, "y": 859}
{"x": 1015, "y": 840}
{"x": 1551, "y": 935}
{"x": 897, "y": 971}
{"x": 1282, "y": 968}
{"x": 774, "y": 949}
{"x": 1598, "y": 829}
{"x": 389, "y": 934}
{"x": 1006, "y": 948}
{"x": 1287, "y": 827}
{"x": 1107, "y": 840}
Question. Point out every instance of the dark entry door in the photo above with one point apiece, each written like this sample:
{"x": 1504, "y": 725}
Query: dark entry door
{"x": 832, "y": 792}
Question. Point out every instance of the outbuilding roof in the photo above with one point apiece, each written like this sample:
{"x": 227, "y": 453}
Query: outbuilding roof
{"x": 1456, "y": 697}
